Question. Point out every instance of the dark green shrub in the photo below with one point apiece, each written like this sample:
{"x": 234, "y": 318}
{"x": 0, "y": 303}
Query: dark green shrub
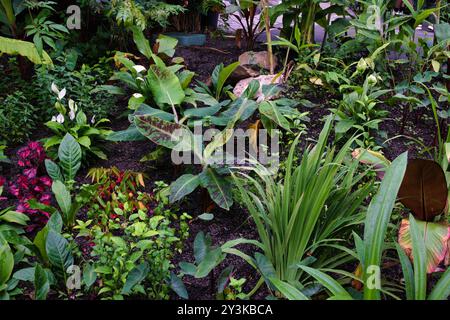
{"x": 17, "y": 118}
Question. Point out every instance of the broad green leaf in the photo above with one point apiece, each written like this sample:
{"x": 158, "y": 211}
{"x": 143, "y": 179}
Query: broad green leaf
{"x": 419, "y": 261}
{"x": 377, "y": 219}
{"x": 41, "y": 283}
{"x": 183, "y": 186}
{"x": 6, "y": 262}
{"x": 25, "y": 49}
{"x": 53, "y": 170}
{"x": 287, "y": 290}
{"x": 15, "y": 217}
{"x": 177, "y": 285}
{"x": 212, "y": 259}
{"x": 435, "y": 236}
{"x": 89, "y": 275}
{"x": 58, "y": 252}
{"x": 202, "y": 244}
{"x": 223, "y": 76}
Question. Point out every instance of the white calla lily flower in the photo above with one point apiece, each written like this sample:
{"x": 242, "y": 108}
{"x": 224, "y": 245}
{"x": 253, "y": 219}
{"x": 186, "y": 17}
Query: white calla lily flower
{"x": 62, "y": 94}
{"x": 55, "y": 88}
{"x": 93, "y": 119}
{"x": 137, "y": 95}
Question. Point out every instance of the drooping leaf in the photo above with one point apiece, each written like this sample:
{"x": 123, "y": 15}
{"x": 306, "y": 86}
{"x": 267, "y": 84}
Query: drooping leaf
{"x": 436, "y": 237}
{"x": 424, "y": 189}
{"x": 41, "y": 283}
{"x": 53, "y": 170}
{"x": 224, "y": 278}
{"x": 130, "y": 134}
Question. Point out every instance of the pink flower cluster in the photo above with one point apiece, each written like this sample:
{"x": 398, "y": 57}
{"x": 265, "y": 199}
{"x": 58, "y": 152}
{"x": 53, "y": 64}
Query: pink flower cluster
{"x": 29, "y": 184}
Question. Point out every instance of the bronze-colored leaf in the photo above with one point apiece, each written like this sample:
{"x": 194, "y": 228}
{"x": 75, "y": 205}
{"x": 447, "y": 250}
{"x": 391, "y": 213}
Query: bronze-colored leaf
{"x": 424, "y": 189}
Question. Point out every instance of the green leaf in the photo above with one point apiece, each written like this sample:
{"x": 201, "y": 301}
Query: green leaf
{"x": 224, "y": 278}
{"x": 219, "y": 188}
{"x": 15, "y": 217}
{"x": 41, "y": 283}
{"x": 211, "y": 260}
{"x": 328, "y": 282}
{"x": 441, "y": 290}
{"x": 130, "y": 134}
{"x": 206, "y": 216}
{"x": 168, "y": 134}
{"x": 177, "y": 285}
{"x": 271, "y": 111}
{"x": 164, "y": 86}
{"x": 223, "y": 76}
{"x": 25, "y": 49}
{"x": 89, "y": 275}
{"x": 6, "y": 262}
{"x": 183, "y": 186}
{"x": 63, "y": 198}
{"x": 69, "y": 154}
{"x": 137, "y": 275}
{"x": 53, "y": 170}
{"x": 202, "y": 244}
{"x": 377, "y": 219}
{"x": 58, "y": 252}
{"x": 419, "y": 261}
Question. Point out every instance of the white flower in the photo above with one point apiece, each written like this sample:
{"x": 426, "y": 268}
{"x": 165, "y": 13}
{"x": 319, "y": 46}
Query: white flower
{"x": 137, "y": 95}
{"x": 93, "y": 119}
{"x": 62, "y": 94}
{"x": 60, "y": 118}
{"x": 71, "y": 115}
{"x": 140, "y": 78}
{"x": 55, "y": 88}
{"x": 53, "y": 119}
{"x": 139, "y": 68}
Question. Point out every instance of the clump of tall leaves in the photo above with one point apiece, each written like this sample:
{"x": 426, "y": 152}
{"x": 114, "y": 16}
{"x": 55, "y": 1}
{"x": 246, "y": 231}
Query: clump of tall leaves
{"x": 297, "y": 217}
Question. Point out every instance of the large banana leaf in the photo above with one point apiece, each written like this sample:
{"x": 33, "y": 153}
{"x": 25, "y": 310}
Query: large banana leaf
{"x": 25, "y": 49}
